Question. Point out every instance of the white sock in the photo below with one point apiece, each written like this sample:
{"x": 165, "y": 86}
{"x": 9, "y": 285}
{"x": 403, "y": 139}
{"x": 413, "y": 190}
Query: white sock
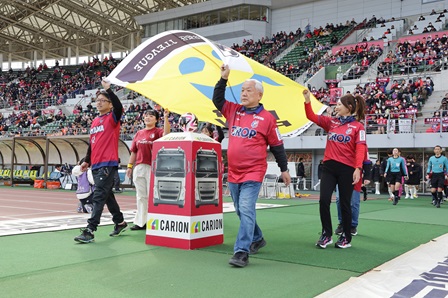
{"x": 377, "y": 187}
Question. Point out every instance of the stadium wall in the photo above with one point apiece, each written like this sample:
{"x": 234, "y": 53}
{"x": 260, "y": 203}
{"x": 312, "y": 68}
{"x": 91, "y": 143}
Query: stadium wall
{"x": 318, "y": 13}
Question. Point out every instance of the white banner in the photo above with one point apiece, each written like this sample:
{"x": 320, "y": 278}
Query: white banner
{"x": 185, "y": 227}
{"x": 421, "y": 272}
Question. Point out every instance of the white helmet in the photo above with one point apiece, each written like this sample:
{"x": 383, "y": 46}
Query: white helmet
{"x": 188, "y": 122}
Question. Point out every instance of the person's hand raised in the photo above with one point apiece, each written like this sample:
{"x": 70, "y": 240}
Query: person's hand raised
{"x": 225, "y": 71}
{"x": 306, "y": 93}
{"x": 105, "y": 83}
{"x": 166, "y": 113}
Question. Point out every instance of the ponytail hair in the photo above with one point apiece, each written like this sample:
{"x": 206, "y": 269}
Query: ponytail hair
{"x": 360, "y": 108}
{"x": 356, "y": 105}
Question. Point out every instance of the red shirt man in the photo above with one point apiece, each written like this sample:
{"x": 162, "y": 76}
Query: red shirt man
{"x": 252, "y": 129}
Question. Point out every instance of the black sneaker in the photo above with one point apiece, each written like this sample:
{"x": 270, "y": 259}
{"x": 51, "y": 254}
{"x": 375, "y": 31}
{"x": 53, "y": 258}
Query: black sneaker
{"x": 353, "y": 231}
{"x": 118, "y": 229}
{"x": 342, "y": 242}
{"x": 137, "y": 228}
{"x": 239, "y": 259}
{"x": 438, "y": 203}
{"x": 86, "y": 236}
{"x": 255, "y": 246}
{"x": 324, "y": 241}
{"x": 396, "y": 198}
{"x": 338, "y": 230}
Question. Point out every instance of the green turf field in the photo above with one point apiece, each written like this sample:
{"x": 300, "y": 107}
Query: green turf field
{"x": 51, "y": 264}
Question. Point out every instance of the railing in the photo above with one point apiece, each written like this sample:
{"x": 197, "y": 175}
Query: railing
{"x": 125, "y": 133}
{"x": 409, "y": 67}
{"x": 393, "y": 123}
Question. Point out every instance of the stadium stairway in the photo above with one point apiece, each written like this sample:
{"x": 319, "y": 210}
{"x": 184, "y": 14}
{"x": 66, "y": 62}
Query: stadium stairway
{"x": 428, "y": 109}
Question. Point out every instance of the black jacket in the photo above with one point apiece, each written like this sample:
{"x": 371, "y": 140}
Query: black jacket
{"x": 415, "y": 173}
{"x": 300, "y": 171}
{"x": 376, "y": 173}
{"x": 383, "y": 166}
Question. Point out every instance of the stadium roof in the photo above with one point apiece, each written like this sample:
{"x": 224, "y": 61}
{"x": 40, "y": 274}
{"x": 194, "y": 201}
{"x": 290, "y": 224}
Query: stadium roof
{"x": 28, "y": 26}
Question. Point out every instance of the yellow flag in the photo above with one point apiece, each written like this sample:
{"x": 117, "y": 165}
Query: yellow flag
{"x": 179, "y": 69}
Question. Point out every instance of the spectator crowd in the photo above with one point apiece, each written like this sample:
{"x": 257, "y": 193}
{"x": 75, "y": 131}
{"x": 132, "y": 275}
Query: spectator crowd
{"x": 32, "y": 91}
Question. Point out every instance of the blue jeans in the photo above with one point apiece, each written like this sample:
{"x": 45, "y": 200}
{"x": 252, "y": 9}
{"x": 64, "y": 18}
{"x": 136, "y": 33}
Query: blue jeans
{"x": 244, "y": 196}
{"x": 354, "y": 203}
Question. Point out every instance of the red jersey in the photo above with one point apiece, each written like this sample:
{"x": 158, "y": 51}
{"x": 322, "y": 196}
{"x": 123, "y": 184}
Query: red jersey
{"x": 344, "y": 141}
{"x": 250, "y": 134}
{"x": 104, "y": 135}
{"x": 142, "y": 144}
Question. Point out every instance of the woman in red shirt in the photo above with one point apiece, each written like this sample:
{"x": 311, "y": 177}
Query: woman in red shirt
{"x": 343, "y": 160}
{"x": 140, "y": 162}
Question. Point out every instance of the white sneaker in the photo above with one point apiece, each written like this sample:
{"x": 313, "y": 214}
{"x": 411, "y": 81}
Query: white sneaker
{"x": 406, "y": 197}
{"x": 305, "y": 189}
{"x": 377, "y": 193}
{"x": 314, "y": 187}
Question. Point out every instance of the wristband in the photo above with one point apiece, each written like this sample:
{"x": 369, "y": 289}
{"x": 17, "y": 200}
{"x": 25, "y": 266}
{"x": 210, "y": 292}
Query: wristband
{"x": 130, "y": 166}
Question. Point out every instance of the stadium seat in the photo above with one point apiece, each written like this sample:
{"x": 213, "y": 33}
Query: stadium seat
{"x": 6, "y": 174}
{"x": 18, "y": 175}
{"x": 33, "y": 174}
{"x": 26, "y": 175}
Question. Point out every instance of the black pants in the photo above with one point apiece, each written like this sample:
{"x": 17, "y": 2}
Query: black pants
{"x": 116, "y": 180}
{"x": 103, "y": 195}
{"x": 336, "y": 173}
{"x": 438, "y": 180}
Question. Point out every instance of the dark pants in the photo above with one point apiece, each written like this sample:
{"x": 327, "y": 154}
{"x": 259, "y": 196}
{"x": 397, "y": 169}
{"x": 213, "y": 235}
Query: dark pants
{"x": 116, "y": 180}
{"x": 103, "y": 195}
{"x": 336, "y": 173}
{"x": 438, "y": 180}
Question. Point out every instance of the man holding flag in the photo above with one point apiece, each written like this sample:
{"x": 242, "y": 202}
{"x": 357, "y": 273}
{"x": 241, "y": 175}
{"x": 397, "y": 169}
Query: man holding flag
{"x": 252, "y": 129}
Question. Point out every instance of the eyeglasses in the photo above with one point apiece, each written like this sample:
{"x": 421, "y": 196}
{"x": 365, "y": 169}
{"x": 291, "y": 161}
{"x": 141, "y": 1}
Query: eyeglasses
{"x": 102, "y": 100}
